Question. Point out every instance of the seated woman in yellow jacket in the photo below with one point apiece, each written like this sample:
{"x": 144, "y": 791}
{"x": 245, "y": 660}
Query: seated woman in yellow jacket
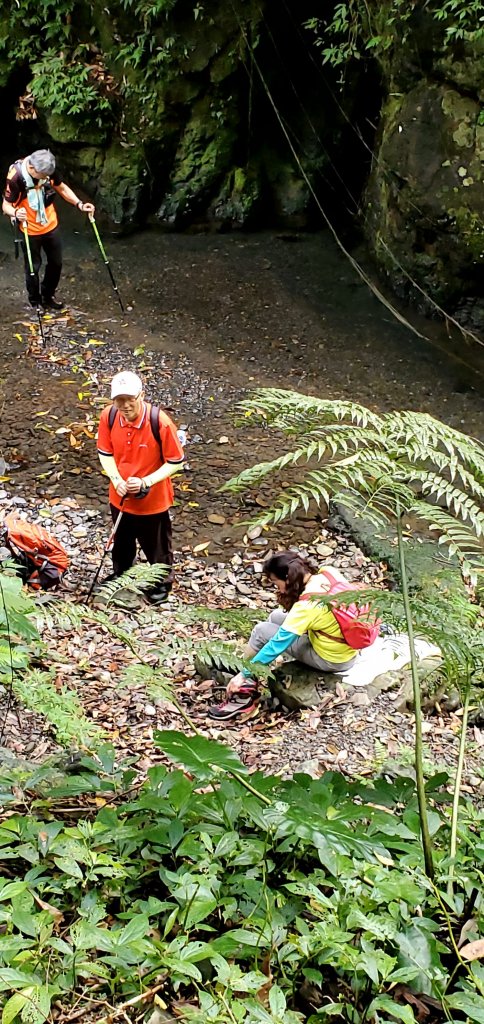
{"x": 301, "y": 627}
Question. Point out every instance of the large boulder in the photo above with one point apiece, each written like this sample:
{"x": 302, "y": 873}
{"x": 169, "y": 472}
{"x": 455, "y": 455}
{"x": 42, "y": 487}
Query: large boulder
{"x": 425, "y": 197}
{"x": 298, "y": 687}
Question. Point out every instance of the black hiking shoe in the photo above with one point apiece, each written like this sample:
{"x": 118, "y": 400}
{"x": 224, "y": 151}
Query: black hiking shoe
{"x": 159, "y": 596}
{"x": 242, "y": 705}
{"x": 52, "y": 302}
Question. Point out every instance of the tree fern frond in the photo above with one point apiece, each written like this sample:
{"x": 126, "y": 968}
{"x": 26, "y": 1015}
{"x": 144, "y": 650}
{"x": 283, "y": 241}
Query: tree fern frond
{"x": 138, "y": 580}
{"x": 251, "y": 477}
{"x": 60, "y": 707}
{"x": 271, "y": 402}
{"x": 459, "y": 538}
{"x": 439, "y": 488}
{"x": 156, "y": 681}
{"x": 223, "y": 656}
{"x": 433, "y": 434}
{"x": 239, "y": 621}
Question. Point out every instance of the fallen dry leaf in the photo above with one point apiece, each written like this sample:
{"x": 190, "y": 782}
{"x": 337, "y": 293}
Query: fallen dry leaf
{"x": 53, "y": 911}
{"x": 473, "y": 950}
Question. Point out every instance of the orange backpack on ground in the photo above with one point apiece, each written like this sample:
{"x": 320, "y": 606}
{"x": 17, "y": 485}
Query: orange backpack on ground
{"x": 43, "y": 560}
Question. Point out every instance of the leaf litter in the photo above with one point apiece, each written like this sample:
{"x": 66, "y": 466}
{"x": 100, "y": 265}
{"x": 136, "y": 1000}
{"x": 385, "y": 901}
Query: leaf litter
{"x": 220, "y": 571}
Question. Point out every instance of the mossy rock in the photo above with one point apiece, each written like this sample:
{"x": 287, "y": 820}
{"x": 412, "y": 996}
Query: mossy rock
{"x": 202, "y": 158}
{"x": 298, "y": 687}
{"x": 121, "y": 182}
{"x": 238, "y": 202}
{"x": 67, "y": 129}
{"x": 425, "y": 198}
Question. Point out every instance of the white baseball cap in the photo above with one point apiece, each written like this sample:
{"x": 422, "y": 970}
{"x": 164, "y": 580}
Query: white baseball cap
{"x": 126, "y": 383}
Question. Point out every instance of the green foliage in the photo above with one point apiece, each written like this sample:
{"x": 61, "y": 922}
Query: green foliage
{"x": 237, "y": 898}
{"x": 356, "y": 30}
{"x": 60, "y": 706}
{"x": 17, "y": 631}
{"x": 64, "y": 85}
{"x": 384, "y": 467}
{"x": 75, "y": 76}
{"x": 374, "y": 465}
{"x": 240, "y": 621}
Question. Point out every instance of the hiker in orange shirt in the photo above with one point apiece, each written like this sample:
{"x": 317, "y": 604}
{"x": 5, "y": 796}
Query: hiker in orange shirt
{"x": 139, "y": 452}
{"x": 32, "y": 186}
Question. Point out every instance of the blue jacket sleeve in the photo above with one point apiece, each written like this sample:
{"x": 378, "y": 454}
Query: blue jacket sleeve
{"x": 274, "y": 647}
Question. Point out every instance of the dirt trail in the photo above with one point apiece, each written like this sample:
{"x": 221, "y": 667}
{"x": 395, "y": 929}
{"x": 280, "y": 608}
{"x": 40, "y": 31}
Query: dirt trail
{"x": 211, "y": 316}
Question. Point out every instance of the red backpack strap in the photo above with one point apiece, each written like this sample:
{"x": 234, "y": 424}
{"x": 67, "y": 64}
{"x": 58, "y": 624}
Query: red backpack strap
{"x": 317, "y": 593}
{"x": 330, "y": 578}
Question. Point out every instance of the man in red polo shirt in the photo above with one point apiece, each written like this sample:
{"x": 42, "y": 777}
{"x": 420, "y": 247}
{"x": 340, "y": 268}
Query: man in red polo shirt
{"x": 139, "y": 468}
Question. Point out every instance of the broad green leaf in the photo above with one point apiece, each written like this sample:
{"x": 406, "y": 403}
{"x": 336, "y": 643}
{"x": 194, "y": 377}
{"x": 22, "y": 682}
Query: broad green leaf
{"x": 69, "y": 866}
{"x": 13, "y": 1007}
{"x": 26, "y": 922}
{"x": 37, "y": 1006}
{"x": 136, "y": 929}
{"x": 198, "y": 911}
{"x": 11, "y": 889}
{"x": 238, "y": 938}
{"x": 206, "y": 759}
{"x": 277, "y": 1001}
{"x": 417, "y": 947}
{"x": 388, "y": 1005}
{"x": 469, "y": 1003}
{"x": 10, "y": 978}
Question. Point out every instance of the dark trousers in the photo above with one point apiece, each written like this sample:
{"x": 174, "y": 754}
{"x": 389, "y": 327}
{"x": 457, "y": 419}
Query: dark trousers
{"x": 154, "y": 536}
{"x": 52, "y": 246}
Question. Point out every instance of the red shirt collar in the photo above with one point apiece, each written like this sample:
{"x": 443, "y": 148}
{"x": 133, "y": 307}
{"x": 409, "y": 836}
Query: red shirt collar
{"x": 137, "y": 423}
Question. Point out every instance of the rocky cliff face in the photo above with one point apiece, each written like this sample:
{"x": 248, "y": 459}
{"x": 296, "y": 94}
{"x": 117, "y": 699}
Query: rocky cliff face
{"x": 425, "y": 198}
{"x": 166, "y": 108}
{"x": 179, "y": 124}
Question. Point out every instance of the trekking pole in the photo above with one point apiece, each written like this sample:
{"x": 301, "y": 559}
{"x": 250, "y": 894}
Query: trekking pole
{"x": 107, "y": 548}
{"x": 103, "y": 254}
{"x": 32, "y": 274}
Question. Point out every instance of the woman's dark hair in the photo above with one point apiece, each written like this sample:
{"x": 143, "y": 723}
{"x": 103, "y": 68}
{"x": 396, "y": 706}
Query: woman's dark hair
{"x": 292, "y": 568}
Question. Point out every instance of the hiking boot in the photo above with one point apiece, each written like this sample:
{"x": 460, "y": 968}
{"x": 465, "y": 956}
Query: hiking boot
{"x": 52, "y": 303}
{"x": 241, "y": 705}
{"x": 159, "y": 596}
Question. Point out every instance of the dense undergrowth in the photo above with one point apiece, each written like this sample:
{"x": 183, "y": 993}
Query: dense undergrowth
{"x": 228, "y": 898}
{"x": 211, "y": 895}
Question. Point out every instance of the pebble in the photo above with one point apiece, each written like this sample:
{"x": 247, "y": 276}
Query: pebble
{"x": 243, "y": 588}
{"x": 324, "y": 550}
{"x": 149, "y": 709}
{"x": 79, "y": 531}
